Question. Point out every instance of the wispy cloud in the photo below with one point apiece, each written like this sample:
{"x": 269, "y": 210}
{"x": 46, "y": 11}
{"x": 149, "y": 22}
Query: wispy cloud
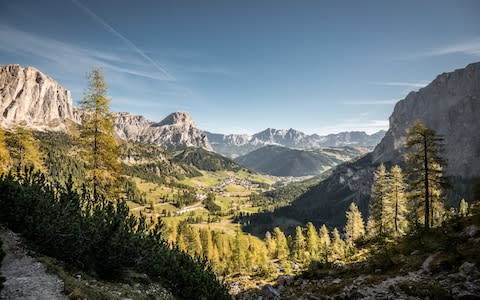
{"x": 72, "y": 56}
{"x": 369, "y": 126}
{"x": 371, "y": 102}
{"x": 471, "y": 47}
{"x": 420, "y": 84}
{"x": 129, "y": 43}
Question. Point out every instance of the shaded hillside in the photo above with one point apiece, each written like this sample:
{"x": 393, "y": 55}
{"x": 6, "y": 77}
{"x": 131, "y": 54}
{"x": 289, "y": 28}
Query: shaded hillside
{"x": 450, "y": 105}
{"x": 205, "y": 160}
{"x": 282, "y": 161}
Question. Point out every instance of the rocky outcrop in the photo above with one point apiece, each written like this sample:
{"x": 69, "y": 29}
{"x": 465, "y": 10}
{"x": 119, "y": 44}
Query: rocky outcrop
{"x": 451, "y": 106}
{"x": 30, "y": 98}
{"x": 177, "y": 129}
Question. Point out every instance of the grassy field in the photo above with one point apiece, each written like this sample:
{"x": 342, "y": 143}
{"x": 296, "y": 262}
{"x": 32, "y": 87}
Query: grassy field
{"x": 231, "y": 189}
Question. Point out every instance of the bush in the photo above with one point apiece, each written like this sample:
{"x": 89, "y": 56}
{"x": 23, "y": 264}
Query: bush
{"x": 2, "y": 255}
{"x": 99, "y": 238}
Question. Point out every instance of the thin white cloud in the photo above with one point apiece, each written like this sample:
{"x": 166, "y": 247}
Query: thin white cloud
{"x": 420, "y": 84}
{"x": 112, "y": 30}
{"x": 371, "y": 102}
{"x": 369, "y": 126}
{"x": 71, "y": 56}
{"x": 471, "y": 47}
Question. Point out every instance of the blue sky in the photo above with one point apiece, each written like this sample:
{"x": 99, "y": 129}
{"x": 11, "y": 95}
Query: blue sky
{"x": 243, "y": 66}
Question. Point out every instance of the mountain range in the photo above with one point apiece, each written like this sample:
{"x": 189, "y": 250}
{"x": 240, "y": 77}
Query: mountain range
{"x": 32, "y": 99}
{"x": 234, "y": 145}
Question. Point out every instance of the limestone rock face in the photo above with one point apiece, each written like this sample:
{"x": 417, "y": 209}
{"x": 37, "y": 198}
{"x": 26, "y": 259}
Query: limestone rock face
{"x": 451, "y": 106}
{"x": 30, "y": 98}
{"x": 177, "y": 129}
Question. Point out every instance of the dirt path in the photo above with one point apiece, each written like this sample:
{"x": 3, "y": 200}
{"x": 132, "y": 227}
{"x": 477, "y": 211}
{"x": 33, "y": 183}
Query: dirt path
{"x": 27, "y": 279}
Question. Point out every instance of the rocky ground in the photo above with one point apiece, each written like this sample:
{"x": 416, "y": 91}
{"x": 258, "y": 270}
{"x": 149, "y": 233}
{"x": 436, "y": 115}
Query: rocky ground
{"x": 26, "y": 278}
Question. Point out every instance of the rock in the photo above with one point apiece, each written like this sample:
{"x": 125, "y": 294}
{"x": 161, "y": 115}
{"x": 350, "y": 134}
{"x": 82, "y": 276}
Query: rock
{"x": 336, "y": 281}
{"x": 284, "y": 280}
{"x": 472, "y": 231}
{"x": 32, "y": 99}
{"x": 270, "y": 293}
{"x": 177, "y": 129}
{"x": 467, "y": 269}
{"x": 450, "y": 105}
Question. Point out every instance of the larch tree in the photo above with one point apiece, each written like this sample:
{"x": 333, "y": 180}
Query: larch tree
{"x": 298, "y": 249}
{"x": 312, "y": 241}
{"x": 423, "y": 157}
{"x": 337, "y": 246}
{"x": 4, "y": 154}
{"x": 324, "y": 243}
{"x": 270, "y": 244}
{"x": 282, "y": 244}
{"x": 379, "y": 199}
{"x": 355, "y": 227}
{"x": 396, "y": 208}
{"x": 463, "y": 208}
{"x": 24, "y": 149}
{"x": 100, "y": 148}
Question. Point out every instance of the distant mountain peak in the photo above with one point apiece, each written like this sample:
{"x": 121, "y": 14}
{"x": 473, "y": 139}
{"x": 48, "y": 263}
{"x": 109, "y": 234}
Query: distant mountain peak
{"x": 178, "y": 118}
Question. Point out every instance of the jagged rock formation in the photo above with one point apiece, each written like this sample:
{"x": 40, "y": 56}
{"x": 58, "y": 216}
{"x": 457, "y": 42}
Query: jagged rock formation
{"x": 235, "y": 145}
{"x": 177, "y": 129}
{"x": 450, "y": 105}
{"x": 30, "y": 98}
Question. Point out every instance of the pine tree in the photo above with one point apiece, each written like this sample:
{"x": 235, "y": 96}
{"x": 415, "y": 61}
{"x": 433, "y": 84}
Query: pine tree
{"x": 195, "y": 241}
{"x": 425, "y": 164}
{"x": 378, "y": 199}
{"x": 298, "y": 249}
{"x": 239, "y": 249}
{"x": 463, "y": 208}
{"x": 396, "y": 208}
{"x": 324, "y": 243}
{"x": 354, "y": 228}
{"x": 100, "y": 148}
{"x": 312, "y": 241}
{"x": 4, "y": 154}
{"x": 282, "y": 244}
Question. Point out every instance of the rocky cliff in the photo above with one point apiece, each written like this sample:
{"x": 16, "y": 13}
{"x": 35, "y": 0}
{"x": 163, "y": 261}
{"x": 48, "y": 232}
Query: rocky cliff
{"x": 451, "y": 106}
{"x": 30, "y": 98}
{"x": 177, "y": 129}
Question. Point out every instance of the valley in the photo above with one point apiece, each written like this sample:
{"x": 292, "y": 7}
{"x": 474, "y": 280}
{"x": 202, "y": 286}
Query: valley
{"x": 118, "y": 206}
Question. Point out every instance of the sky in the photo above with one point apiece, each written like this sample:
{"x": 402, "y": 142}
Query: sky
{"x": 243, "y": 66}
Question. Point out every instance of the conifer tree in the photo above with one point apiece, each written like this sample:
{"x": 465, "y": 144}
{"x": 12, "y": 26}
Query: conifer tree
{"x": 100, "y": 147}
{"x": 4, "y": 154}
{"x": 378, "y": 200}
{"x": 354, "y": 228}
{"x": 298, "y": 249}
{"x": 207, "y": 243}
{"x": 195, "y": 241}
{"x": 425, "y": 164}
{"x": 338, "y": 245}
{"x": 396, "y": 207}
{"x": 24, "y": 149}
{"x": 324, "y": 243}
{"x": 282, "y": 244}
{"x": 371, "y": 228}
{"x": 463, "y": 208}
{"x": 312, "y": 241}
{"x": 239, "y": 249}
{"x": 270, "y": 244}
